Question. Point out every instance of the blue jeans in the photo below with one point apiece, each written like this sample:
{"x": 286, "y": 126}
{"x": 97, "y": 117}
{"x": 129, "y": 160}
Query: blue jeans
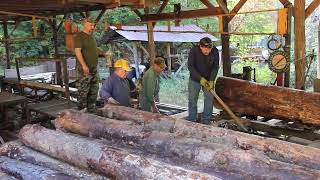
{"x": 194, "y": 89}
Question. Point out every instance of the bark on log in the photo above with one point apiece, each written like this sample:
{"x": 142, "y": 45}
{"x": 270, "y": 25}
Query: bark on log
{"x": 208, "y": 155}
{"x": 26, "y": 171}
{"x": 113, "y": 162}
{"x": 5, "y": 176}
{"x": 269, "y": 101}
{"x": 273, "y": 148}
{"x": 16, "y": 150}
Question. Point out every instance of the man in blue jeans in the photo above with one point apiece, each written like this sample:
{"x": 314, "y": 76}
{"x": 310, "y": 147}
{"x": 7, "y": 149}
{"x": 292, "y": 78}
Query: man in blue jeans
{"x": 203, "y": 64}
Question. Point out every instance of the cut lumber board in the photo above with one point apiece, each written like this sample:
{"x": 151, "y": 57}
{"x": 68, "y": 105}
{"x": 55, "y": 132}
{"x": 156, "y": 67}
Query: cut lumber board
{"x": 269, "y": 101}
{"x": 27, "y": 171}
{"x": 16, "y": 150}
{"x": 273, "y": 148}
{"x": 217, "y": 156}
{"x": 113, "y": 162}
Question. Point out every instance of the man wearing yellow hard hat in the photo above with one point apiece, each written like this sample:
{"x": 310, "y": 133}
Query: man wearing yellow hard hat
{"x": 116, "y": 90}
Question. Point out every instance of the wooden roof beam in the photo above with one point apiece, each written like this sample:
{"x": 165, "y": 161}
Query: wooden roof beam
{"x": 313, "y": 5}
{"x": 100, "y": 15}
{"x": 138, "y": 13}
{"x": 223, "y": 6}
{"x": 236, "y": 8}
{"x": 207, "y": 3}
{"x": 285, "y": 3}
{"x": 163, "y": 5}
{"x": 61, "y": 22}
{"x": 183, "y": 15}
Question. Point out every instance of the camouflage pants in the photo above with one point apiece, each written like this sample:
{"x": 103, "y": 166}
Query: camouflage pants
{"x": 88, "y": 87}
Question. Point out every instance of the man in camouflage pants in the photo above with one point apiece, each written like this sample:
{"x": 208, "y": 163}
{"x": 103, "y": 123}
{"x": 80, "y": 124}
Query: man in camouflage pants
{"x": 87, "y": 60}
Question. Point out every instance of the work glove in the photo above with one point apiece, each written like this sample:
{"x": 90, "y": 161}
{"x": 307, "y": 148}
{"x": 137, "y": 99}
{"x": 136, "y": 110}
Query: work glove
{"x": 203, "y": 82}
{"x": 211, "y": 84}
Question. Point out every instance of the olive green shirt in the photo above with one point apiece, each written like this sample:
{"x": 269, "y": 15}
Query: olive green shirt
{"x": 89, "y": 49}
{"x": 150, "y": 89}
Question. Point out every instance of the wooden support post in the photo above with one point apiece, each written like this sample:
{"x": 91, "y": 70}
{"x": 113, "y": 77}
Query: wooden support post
{"x": 66, "y": 78}
{"x": 141, "y": 55}
{"x": 135, "y": 57}
{"x": 168, "y": 57}
{"x": 151, "y": 46}
{"x": 56, "y": 53}
{"x": 287, "y": 47}
{"x": 6, "y": 43}
{"x": 299, "y": 42}
{"x": 225, "y": 40}
{"x": 316, "y": 85}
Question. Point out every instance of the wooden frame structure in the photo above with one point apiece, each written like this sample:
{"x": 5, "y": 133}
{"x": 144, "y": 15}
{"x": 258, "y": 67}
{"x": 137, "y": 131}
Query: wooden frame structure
{"x": 299, "y": 11}
{"x": 19, "y": 10}
{"x": 62, "y": 62}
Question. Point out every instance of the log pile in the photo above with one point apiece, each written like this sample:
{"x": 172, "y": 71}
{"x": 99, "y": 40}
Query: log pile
{"x": 131, "y": 144}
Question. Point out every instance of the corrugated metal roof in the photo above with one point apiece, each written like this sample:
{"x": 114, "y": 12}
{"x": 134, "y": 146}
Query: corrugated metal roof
{"x": 179, "y": 35}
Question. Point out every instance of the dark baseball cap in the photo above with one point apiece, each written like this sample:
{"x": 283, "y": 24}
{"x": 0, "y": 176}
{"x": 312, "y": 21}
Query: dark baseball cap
{"x": 206, "y": 42}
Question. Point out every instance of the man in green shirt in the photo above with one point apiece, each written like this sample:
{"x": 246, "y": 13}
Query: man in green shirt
{"x": 150, "y": 86}
{"x": 87, "y": 59}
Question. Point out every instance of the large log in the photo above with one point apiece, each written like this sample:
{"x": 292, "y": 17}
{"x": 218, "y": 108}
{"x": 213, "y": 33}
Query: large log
{"x": 244, "y": 163}
{"x": 16, "y": 150}
{"x": 5, "y": 176}
{"x": 273, "y": 148}
{"x": 26, "y": 171}
{"x": 269, "y": 101}
{"x": 113, "y": 162}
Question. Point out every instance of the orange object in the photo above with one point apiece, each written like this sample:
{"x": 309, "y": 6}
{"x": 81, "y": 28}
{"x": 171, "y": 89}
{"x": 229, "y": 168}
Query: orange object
{"x": 118, "y": 26}
{"x": 68, "y": 26}
{"x": 282, "y": 21}
{"x": 220, "y": 24}
{"x": 69, "y": 40}
{"x": 75, "y": 29}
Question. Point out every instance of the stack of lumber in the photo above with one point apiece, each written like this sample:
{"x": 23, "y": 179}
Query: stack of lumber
{"x": 124, "y": 143}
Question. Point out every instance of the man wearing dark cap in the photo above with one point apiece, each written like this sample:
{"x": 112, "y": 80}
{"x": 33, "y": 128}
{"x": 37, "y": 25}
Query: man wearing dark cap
{"x": 150, "y": 86}
{"x": 203, "y": 64}
{"x": 86, "y": 67}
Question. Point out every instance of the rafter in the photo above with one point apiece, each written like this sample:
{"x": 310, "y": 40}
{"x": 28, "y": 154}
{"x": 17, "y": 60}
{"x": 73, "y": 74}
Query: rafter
{"x": 100, "y": 15}
{"x": 183, "y": 15}
{"x": 223, "y": 6}
{"x": 285, "y": 3}
{"x": 313, "y": 5}
{"x": 236, "y": 8}
{"x": 61, "y": 22}
{"x": 138, "y": 13}
{"x": 207, "y": 3}
{"x": 163, "y": 5}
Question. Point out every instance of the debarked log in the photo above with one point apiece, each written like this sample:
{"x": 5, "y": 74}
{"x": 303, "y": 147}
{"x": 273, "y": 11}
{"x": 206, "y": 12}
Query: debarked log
{"x": 27, "y": 171}
{"x": 247, "y": 164}
{"x": 113, "y": 162}
{"x": 16, "y": 150}
{"x": 269, "y": 101}
{"x": 273, "y": 148}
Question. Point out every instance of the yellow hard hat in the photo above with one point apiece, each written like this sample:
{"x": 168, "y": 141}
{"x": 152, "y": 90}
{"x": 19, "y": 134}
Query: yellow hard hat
{"x": 122, "y": 63}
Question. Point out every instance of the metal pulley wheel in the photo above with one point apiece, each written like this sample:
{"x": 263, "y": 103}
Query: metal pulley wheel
{"x": 279, "y": 61}
{"x": 274, "y": 43}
